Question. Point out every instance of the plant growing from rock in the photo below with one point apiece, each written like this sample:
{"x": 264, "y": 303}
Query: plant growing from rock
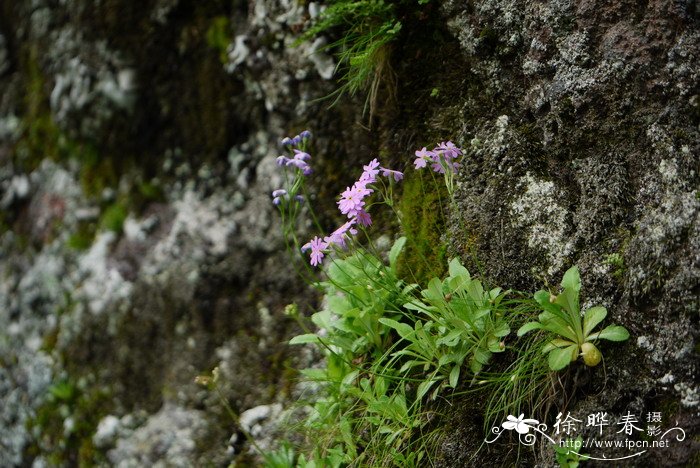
{"x": 561, "y": 316}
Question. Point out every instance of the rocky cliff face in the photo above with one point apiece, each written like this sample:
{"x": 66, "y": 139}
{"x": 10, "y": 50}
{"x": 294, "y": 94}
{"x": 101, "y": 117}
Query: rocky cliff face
{"x": 140, "y": 248}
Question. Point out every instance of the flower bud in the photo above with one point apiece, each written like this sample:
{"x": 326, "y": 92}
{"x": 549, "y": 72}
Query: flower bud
{"x": 305, "y": 135}
{"x": 286, "y": 141}
{"x": 591, "y": 355}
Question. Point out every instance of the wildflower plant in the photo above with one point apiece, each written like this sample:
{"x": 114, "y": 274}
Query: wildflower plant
{"x": 354, "y": 204}
{"x": 296, "y": 166}
{"x": 391, "y": 346}
{"x": 575, "y": 336}
{"x": 443, "y": 160}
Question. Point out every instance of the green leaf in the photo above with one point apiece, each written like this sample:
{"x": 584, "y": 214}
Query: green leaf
{"x": 572, "y": 279}
{"x": 396, "y": 251}
{"x": 476, "y": 291}
{"x": 451, "y": 339}
{"x": 494, "y": 345}
{"x": 457, "y": 269}
{"x": 612, "y": 333}
{"x": 556, "y": 343}
{"x": 434, "y": 291}
{"x": 454, "y": 376}
{"x": 560, "y": 327}
{"x": 306, "y": 338}
{"x": 502, "y": 329}
{"x": 593, "y": 317}
{"x": 404, "y": 330}
{"x": 529, "y": 327}
{"x": 423, "y": 388}
{"x": 559, "y": 358}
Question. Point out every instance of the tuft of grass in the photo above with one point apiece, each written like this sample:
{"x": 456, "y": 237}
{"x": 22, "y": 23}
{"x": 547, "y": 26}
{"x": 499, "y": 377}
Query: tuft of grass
{"x": 367, "y": 29}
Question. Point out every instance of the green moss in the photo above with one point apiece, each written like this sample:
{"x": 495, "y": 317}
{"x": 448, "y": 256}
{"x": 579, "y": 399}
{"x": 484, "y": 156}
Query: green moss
{"x": 113, "y": 217}
{"x": 617, "y": 263}
{"x": 423, "y": 222}
{"x": 219, "y": 36}
{"x": 83, "y": 237}
{"x": 71, "y": 445}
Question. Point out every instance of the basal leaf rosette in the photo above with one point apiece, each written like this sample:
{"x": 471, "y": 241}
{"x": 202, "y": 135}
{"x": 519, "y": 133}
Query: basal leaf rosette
{"x": 575, "y": 334}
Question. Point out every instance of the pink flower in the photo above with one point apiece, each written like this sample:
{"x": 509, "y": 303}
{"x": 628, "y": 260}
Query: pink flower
{"x": 423, "y": 156}
{"x": 338, "y": 237}
{"x": 317, "y": 247}
{"x": 363, "y": 218}
{"x": 370, "y": 172}
{"x": 389, "y": 173}
{"x": 351, "y": 200}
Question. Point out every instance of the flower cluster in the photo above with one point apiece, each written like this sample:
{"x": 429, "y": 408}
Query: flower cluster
{"x": 298, "y": 161}
{"x": 441, "y": 159}
{"x": 352, "y": 204}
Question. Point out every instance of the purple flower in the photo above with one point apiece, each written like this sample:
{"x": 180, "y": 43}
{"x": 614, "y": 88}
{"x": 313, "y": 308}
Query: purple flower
{"x": 449, "y": 150}
{"x": 351, "y": 200}
{"x": 301, "y": 156}
{"x": 317, "y": 247}
{"x": 305, "y": 134}
{"x": 338, "y": 237}
{"x": 282, "y": 160}
{"x": 296, "y": 140}
{"x": 441, "y": 158}
{"x": 279, "y": 193}
{"x": 363, "y": 218}
{"x": 389, "y": 173}
{"x": 286, "y": 141}
{"x": 276, "y": 201}
{"x": 300, "y": 164}
{"x": 370, "y": 172}
{"x": 299, "y": 198}
{"x": 437, "y": 167}
{"x": 361, "y": 187}
{"x": 422, "y": 157}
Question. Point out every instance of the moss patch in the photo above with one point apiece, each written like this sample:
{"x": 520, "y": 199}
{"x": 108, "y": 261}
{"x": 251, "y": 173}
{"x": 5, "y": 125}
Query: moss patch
{"x": 423, "y": 221}
{"x": 65, "y": 424}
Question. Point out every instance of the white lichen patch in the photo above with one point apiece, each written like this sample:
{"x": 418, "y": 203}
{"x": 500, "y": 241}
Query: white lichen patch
{"x": 201, "y": 227}
{"x": 100, "y": 282}
{"x": 544, "y": 219}
{"x": 168, "y": 438}
{"x": 88, "y": 79}
{"x": 689, "y": 394}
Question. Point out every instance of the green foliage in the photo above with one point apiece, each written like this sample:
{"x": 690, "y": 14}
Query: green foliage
{"x": 219, "y": 36}
{"x": 562, "y": 317}
{"x": 83, "y": 237}
{"x": 388, "y": 345}
{"x": 422, "y": 221}
{"x": 464, "y": 323}
{"x": 367, "y": 28}
{"x": 65, "y": 423}
{"x": 568, "y": 456}
{"x": 617, "y": 263}
{"x": 113, "y": 217}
